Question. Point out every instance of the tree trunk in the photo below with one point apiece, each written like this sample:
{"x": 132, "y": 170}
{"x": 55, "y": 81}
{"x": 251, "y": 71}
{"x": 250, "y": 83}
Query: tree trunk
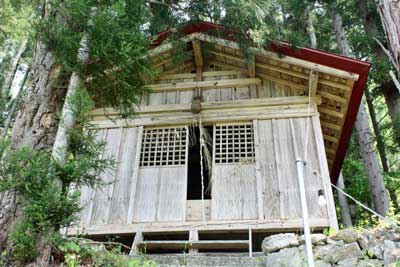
{"x": 388, "y": 88}
{"x": 35, "y": 124}
{"x": 379, "y": 138}
{"x": 310, "y": 27}
{"x": 392, "y": 99}
{"x": 371, "y": 165}
{"x": 373, "y": 170}
{"x": 389, "y": 11}
{"x": 14, "y": 104}
{"x": 68, "y": 117}
{"x": 11, "y": 74}
{"x": 343, "y": 203}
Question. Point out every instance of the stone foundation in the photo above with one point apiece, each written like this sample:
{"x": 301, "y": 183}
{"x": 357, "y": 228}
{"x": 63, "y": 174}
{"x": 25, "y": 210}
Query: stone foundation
{"x": 347, "y": 248}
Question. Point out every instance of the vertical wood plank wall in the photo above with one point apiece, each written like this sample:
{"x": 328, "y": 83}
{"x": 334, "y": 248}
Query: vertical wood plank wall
{"x": 234, "y": 192}
{"x": 280, "y": 143}
{"x": 160, "y": 194}
{"x": 109, "y": 203}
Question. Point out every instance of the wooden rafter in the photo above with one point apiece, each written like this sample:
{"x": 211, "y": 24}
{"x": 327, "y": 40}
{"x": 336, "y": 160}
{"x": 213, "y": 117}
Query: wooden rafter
{"x": 277, "y": 57}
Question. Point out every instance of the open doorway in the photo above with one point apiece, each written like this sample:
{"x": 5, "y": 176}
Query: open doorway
{"x": 194, "y": 168}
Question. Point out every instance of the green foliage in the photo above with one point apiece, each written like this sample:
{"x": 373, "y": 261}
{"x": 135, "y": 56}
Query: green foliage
{"x": 118, "y": 66}
{"x": 78, "y": 252}
{"x": 44, "y": 186}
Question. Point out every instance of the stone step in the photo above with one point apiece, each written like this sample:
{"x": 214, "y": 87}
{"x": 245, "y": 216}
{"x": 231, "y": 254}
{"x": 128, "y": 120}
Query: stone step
{"x": 205, "y": 261}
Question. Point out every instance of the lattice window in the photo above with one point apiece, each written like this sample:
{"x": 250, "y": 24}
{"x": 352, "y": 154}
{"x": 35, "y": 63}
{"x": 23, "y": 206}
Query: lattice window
{"x": 234, "y": 143}
{"x": 164, "y": 146}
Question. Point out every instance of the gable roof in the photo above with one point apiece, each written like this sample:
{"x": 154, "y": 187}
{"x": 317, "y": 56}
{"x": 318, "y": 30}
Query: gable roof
{"x": 341, "y": 63}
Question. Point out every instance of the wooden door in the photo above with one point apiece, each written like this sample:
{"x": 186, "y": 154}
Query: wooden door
{"x": 162, "y": 176}
{"x": 234, "y": 187}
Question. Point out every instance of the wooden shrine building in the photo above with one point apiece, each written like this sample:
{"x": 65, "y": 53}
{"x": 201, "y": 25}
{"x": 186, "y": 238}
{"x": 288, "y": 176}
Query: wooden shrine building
{"x": 252, "y": 117}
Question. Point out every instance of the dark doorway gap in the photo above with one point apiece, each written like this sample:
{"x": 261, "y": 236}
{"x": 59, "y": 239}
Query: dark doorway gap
{"x": 194, "y": 168}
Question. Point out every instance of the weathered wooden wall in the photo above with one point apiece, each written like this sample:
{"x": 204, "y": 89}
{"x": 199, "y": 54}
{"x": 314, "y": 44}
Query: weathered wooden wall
{"x": 264, "y": 189}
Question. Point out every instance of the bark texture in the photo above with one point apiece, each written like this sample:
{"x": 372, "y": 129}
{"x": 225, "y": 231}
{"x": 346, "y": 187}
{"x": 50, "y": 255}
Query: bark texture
{"x": 364, "y": 134}
{"x": 35, "y": 124}
{"x": 378, "y": 136}
{"x": 388, "y": 88}
{"x": 392, "y": 99}
{"x": 343, "y": 203}
{"x": 375, "y": 177}
{"x": 389, "y": 11}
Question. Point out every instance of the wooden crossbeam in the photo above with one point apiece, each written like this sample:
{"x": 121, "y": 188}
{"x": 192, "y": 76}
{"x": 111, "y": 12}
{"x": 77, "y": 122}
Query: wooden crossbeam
{"x": 204, "y": 84}
{"x": 331, "y": 112}
{"x": 201, "y": 244}
{"x": 313, "y": 83}
{"x": 237, "y": 104}
{"x": 271, "y": 225}
{"x": 193, "y": 75}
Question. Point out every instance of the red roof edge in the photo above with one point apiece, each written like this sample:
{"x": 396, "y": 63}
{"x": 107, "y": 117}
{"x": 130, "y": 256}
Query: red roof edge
{"x": 312, "y": 55}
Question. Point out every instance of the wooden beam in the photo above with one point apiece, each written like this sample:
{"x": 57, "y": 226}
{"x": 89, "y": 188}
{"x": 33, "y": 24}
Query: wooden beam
{"x": 204, "y": 84}
{"x": 313, "y": 83}
{"x": 237, "y": 104}
{"x": 198, "y": 57}
{"x": 302, "y": 75}
{"x": 194, "y": 245}
{"x": 193, "y": 75}
{"x": 272, "y": 225}
{"x": 279, "y": 57}
{"x": 168, "y": 46}
{"x": 333, "y": 97}
{"x": 330, "y": 125}
{"x": 208, "y": 116}
{"x": 331, "y": 138}
{"x": 135, "y": 245}
{"x": 331, "y": 112}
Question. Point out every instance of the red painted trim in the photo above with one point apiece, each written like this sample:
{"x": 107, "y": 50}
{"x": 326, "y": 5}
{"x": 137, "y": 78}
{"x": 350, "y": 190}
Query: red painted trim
{"x": 312, "y": 55}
